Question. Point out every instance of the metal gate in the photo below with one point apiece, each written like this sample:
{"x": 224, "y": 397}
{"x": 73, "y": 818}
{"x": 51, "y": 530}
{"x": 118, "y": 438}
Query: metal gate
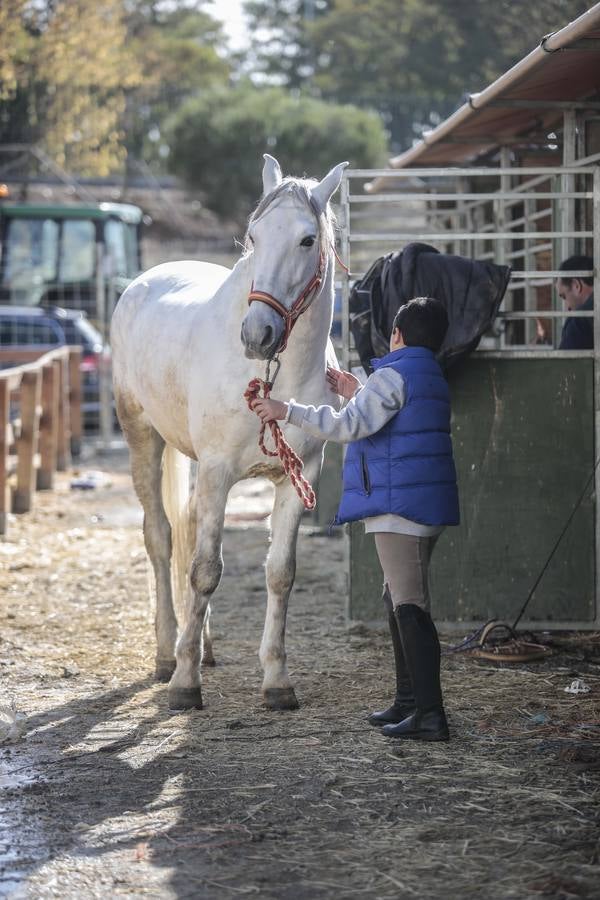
{"x": 526, "y": 417}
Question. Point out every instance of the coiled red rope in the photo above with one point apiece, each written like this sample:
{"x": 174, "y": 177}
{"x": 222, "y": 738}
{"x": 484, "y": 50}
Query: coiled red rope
{"x": 291, "y": 462}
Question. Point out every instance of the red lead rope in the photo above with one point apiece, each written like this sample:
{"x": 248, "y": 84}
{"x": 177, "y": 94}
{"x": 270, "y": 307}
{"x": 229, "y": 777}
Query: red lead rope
{"x": 292, "y": 464}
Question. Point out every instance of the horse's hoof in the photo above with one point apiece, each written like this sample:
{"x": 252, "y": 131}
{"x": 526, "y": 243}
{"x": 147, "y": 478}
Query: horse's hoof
{"x": 209, "y": 662}
{"x": 185, "y": 698}
{"x": 280, "y": 698}
{"x": 164, "y": 669}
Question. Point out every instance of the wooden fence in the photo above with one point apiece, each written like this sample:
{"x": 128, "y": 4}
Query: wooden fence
{"x": 40, "y": 422}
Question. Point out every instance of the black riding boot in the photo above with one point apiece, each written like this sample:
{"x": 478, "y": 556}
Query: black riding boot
{"x": 421, "y": 647}
{"x": 404, "y": 702}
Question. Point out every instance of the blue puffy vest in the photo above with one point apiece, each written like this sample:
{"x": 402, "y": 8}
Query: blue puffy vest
{"x": 407, "y": 467}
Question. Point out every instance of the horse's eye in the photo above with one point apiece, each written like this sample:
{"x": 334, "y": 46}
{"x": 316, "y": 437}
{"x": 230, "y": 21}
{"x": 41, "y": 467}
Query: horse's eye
{"x": 307, "y": 241}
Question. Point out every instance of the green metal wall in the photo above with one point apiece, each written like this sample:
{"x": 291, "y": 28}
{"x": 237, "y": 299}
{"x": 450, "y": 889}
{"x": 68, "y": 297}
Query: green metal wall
{"x": 523, "y": 432}
{"x": 328, "y": 488}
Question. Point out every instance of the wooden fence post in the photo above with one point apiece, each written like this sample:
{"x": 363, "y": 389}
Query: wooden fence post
{"x": 48, "y": 426}
{"x": 63, "y": 458}
{"x": 27, "y": 443}
{"x": 4, "y": 425}
{"x": 75, "y": 399}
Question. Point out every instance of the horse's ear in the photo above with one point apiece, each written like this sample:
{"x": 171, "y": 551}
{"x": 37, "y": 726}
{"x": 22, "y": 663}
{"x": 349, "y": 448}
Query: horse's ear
{"x": 324, "y": 190}
{"x": 271, "y": 174}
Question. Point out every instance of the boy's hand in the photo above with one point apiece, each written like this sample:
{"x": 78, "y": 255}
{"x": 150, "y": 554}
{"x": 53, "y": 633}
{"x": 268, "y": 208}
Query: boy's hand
{"x": 343, "y": 383}
{"x": 269, "y": 410}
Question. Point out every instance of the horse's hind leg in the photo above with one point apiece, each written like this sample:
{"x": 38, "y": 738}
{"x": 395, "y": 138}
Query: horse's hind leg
{"x": 208, "y": 658}
{"x": 212, "y": 487}
{"x": 146, "y": 448}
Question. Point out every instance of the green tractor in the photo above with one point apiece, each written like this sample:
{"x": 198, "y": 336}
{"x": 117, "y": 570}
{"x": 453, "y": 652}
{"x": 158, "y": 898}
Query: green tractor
{"x": 79, "y": 256}
{"x": 55, "y": 258}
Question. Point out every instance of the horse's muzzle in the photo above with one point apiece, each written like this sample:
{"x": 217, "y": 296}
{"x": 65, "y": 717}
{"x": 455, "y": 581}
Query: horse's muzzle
{"x": 262, "y": 333}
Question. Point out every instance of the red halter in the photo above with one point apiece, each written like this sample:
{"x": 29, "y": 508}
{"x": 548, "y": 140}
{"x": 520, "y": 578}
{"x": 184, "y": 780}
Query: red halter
{"x": 300, "y": 304}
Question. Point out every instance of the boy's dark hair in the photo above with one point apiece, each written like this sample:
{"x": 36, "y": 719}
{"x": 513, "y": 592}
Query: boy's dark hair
{"x": 423, "y": 323}
{"x": 577, "y": 264}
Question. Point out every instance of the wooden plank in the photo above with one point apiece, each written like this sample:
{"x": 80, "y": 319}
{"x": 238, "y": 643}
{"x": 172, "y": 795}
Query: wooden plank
{"x": 48, "y": 426}
{"x": 30, "y": 395}
{"x": 63, "y": 446}
{"x": 4, "y": 422}
{"x": 19, "y": 357}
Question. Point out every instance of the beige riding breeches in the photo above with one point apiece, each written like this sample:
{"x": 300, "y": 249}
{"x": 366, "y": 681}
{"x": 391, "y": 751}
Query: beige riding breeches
{"x": 405, "y": 559}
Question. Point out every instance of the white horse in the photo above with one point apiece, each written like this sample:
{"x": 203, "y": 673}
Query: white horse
{"x": 179, "y": 380}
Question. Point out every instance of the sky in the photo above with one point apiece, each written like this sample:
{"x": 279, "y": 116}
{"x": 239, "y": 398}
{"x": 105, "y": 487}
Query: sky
{"x": 230, "y": 13}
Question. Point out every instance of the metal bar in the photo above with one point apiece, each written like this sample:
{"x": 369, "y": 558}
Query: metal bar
{"x": 531, "y": 217}
{"x": 449, "y": 236}
{"x": 551, "y": 273}
{"x": 346, "y": 351}
{"x": 593, "y": 157}
{"x": 105, "y": 388}
{"x": 512, "y": 198}
{"x": 596, "y": 257}
{"x": 544, "y": 314}
{"x": 536, "y": 248}
{"x": 345, "y": 254}
{"x": 534, "y": 354}
{"x": 500, "y": 216}
{"x": 451, "y": 172}
{"x": 567, "y": 206}
{"x": 529, "y": 294}
{"x": 544, "y": 276}
{"x": 532, "y": 182}
{"x": 521, "y": 285}
{"x": 484, "y": 197}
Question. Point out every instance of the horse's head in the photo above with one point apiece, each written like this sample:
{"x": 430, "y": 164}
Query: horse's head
{"x": 290, "y": 237}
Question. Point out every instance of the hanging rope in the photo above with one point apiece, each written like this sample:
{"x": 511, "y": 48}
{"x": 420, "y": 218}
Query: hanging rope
{"x": 291, "y": 462}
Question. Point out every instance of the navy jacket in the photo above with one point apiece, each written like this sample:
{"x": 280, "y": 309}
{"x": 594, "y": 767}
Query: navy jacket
{"x": 406, "y": 468}
{"x": 578, "y": 334}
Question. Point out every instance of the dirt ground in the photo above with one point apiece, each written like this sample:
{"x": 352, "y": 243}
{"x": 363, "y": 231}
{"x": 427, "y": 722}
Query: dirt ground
{"x": 108, "y": 795}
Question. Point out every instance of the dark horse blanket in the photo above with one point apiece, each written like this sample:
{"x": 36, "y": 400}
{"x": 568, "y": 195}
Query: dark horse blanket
{"x": 472, "y": 292}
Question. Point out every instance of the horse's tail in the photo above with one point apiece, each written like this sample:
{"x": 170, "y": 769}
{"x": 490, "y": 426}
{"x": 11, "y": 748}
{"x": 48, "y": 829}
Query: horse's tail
{"x": 178, "y": 507}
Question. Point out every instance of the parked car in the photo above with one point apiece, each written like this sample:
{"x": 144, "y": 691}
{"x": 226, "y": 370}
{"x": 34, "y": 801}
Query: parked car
{"x": 44, "y": 328}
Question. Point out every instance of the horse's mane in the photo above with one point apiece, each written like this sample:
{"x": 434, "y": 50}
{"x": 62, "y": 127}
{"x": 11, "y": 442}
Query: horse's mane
{"x": 301, "y": 187}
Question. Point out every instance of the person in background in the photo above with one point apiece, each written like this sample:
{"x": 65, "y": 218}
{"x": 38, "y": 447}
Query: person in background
{"x": 578, "y": 295}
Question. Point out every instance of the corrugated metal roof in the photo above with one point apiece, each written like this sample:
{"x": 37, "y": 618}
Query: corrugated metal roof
{"x": 565, "y": 67}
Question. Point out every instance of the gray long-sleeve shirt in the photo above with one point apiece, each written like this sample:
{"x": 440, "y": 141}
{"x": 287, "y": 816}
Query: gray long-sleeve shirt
{"x": 367, "y": 412}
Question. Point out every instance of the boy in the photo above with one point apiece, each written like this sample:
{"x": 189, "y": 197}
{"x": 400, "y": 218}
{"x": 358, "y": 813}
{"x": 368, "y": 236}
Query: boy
{"x": 399, "y": 477}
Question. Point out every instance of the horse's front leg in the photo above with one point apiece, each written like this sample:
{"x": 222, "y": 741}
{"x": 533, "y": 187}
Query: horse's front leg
{"x": 212, "y": 487}
{"x": 278, "y": 691}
